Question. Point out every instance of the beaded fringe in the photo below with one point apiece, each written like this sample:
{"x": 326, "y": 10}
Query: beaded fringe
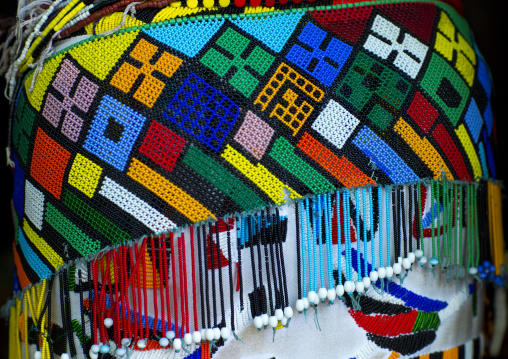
{"x": 451, "y": 229}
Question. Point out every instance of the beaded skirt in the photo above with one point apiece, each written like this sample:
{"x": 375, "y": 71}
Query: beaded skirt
{"x": 289, "y": 180}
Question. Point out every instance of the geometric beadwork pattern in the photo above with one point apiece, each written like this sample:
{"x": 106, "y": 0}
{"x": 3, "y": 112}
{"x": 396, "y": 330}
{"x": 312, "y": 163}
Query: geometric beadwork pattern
{"x": 317, "y": 62}
{"x": 254, "y": 135}
{"x": 410, "y": 53}
{"x": 295, "y": 109}
{"x": 82, "y": 98}
{"x": 450, "y": 41}
{"x": 374, "y": 89}
{"x": 335, "y": 124}
{"x": 162, "y": 146}
{"x": 234, "y": 44}
{"x": 85, "y": 175}
{"x": 49, "y": 163}
{"x": 202, "y": 111}
{"x": 113, "y": 132}
{"x": 34, "y": 205}
{"x": 150, "y": 89}
{"x": 188, "y": 119}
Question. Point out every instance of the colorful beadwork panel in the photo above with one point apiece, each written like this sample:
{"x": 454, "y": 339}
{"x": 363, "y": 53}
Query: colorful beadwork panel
{"x": 168, "y": 128}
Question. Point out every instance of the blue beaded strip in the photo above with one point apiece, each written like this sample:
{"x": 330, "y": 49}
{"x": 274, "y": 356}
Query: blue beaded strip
{"x": 328, "y": 227}
{"x": 372, "y": 248}
{"x": 319, "y": 236}
{"x": 303, "y": 234}
{"x": 357, "y": 228}
{"x": 387, "y": 199}
{"x": 347, "y": 233}
{"x": 365, "y": 243}
{"x": 409, "y": 298}
{"x": 339, "y": 238}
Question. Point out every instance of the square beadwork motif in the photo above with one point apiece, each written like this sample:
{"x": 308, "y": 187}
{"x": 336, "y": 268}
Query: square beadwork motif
{"x": 202, "y": 111}
{"x": 49, "y": 162}
{"x": 254, "y": 135}
{"x": 162, "y": 146}
{"x": 114, "y": 131}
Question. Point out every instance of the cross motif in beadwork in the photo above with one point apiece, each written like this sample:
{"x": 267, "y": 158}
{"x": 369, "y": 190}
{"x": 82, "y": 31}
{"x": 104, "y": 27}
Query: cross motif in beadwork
{"x": 151, "y": 88}
{"x": 82, "y": 99}
{"x": 235, "y": 45}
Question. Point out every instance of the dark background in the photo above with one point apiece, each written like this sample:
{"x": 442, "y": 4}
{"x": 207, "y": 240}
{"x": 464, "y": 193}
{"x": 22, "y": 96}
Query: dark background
{"x": 488, "y": 21}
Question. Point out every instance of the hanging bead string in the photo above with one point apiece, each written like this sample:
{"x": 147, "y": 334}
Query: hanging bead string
{"x": 120, "y": 267}
{"x": 230, "y": 273}
{"x": 277, "y": 285}
{"x": 256, "y": 235}
{"x": 318, "y": 235}
{"x": 298, "y": 251}
{"x": 253, "y": 266}
{"x": 329, "y": 260}
{"x": 349, "y": 286}
{"x": 338, "y": 204}
{"x": 287, "y": 311}
{"x": 200, "y": 272}
{"x": 196, "y": 335}
{"x": 264, "y": 220}
{"x": 363, "y": 225}
{"x": 239, "y": 246}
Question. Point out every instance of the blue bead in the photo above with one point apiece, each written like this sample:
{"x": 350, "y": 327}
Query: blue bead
{"x": 104, "y": 349}
{"x": 492, "y": 268}
{"x": 434, "y": 261}
{"x": 483, "y": 275}
{"x": 486, "y": 264}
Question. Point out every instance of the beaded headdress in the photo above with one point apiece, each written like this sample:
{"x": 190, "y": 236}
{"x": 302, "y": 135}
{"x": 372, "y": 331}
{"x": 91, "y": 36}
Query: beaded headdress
{"x": 267, "y": 180}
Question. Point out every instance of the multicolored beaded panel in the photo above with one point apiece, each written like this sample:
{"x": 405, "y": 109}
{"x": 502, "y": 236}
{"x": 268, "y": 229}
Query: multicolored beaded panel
{"x": 369, "y": 122}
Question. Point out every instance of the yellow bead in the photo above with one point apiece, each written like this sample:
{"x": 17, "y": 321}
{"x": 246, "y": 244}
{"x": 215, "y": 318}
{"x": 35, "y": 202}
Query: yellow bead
{"x": 192, "y": 3}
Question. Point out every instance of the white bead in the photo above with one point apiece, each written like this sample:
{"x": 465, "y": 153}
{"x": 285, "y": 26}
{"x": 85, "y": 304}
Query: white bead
{"x": 104, "y": 349}
{"x": 322, "y": 294}
{"x": 93, "y": 355}
{"x": 38, "y": 354}
{"x": 312, "y": 296}
{"x": 264, "y": 317}
{"x": 279, "y": 314}
{"x": 95, "y": 348}
{"x": 108, "y": 322}
{"x": 177, "y": 344}
{"x": 373, "y": 276}
{"x": 163, "y": 342}
{"x": 299, "y": 305}
{"x": 473, "y": 270}
{"x": 170, "y": 335}
{"x": 216, "y": 333}
{"x": 397, "y": 268}
{"x": 406, "y": 263}
{"x": 288, "y": 312}
{"x": 273, "y": 321}
{"x": 305, "y": 303}
{"x": 196, "y": 337}
{"x": 419, "y": 253}
{"x": 359, "y": 287}
{"x": 121, "y": 351}
{"x": 187, "y": 338}
{"x": 284, "y": 321}
{"x": 258, "y": 322}
{"x": 203, "y": 334}
{"x": 349, "y": 286}
{"x": 126, "y": 342}
{"x": 366, "y": 282}
{"x": 209, "y": 334}
{"x": 399, "y": 259}
{"x": 141, "y": 343}
{"x": 423, "y": 260}
{"x": 65, "y": 356}
{"x": 411, "y": 257}
{"x": 339, "y": 290}
{"x": 224, "y": 333}
{"x": 330, "y": 294}
{"x": 382, "y": 272}
{"x": 389, "y": 272}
